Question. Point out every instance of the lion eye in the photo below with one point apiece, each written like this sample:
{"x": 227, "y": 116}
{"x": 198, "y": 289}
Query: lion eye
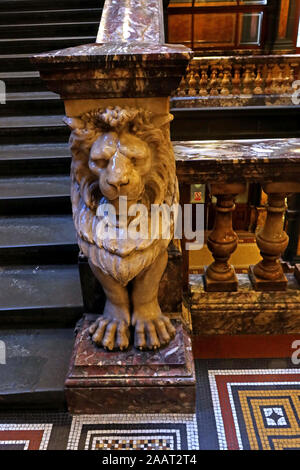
{"x": 101, "y": 163}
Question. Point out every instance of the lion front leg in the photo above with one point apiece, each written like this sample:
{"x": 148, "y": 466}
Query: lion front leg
{"x": 152, "y": 328}
{"x": 111, "y": 329}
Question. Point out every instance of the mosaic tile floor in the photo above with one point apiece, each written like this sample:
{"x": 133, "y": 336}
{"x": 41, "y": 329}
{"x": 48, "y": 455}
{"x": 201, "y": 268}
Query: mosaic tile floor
{"x": 241, "y": 404}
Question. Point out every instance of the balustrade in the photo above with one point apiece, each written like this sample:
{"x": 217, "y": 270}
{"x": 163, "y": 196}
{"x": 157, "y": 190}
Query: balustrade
{"x": 226, "y": 167}
{"x": 254, "y": 79}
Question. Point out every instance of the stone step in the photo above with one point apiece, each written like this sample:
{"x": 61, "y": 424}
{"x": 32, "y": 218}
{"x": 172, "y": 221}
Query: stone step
{"x": 15, "y": 62}
{"x": 22, "y": 82}
{"x": 33, "y": 129}
{"x": 51, "y": 16}
{"x": 36, "y": 159}
{"x": 36, "y": 366}
{"x": 35, "y": 195}
{"x": 36, "y": 45}
{"x": 40, "y": 239}
{"x": 34, "y": 294}
{"x": 50, "y": 30}
{"x": 23, "y": 5}
{"x": 32, "y": 103}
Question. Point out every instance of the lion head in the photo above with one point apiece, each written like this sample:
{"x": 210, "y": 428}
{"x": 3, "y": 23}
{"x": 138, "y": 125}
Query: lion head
{"x": 119, "y": 152}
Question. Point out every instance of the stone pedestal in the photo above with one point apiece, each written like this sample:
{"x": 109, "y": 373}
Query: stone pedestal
{"x": 228, "y": 285}
{"x": 160, "y": 381}
{"x": 260, "y": 284}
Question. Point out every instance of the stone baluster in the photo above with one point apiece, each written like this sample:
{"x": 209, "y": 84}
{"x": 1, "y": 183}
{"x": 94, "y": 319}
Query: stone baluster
{"x": 269, "y": 80}
{"x": 272, "y": 240}
{"x": 248, "y": 79}
{"x": 236, "y": 80}
{"x": 203, "y": 82}
{"x": 213, "y": 82}
{"x": 192, "y": 84}
{"x": 258, "y": 82}
{"x": 276, "y": 83}
{"x": 285, "y": 78}
{"x": 182, "y": 89}
{"x": 226, "y": 80}
{"x": 197, "y": 78}
{"x": 222, "y": 241}
{"x": 292, "y": 77}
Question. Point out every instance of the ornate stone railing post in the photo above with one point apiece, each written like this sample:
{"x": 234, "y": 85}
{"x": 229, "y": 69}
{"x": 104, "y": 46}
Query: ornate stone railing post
{"x": 272, "y": 240}
{"x": 222, "y": 241}
{"x": 116, "y": 95}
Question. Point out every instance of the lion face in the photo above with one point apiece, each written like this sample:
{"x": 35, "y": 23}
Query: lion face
{"x": 121, "y": 161}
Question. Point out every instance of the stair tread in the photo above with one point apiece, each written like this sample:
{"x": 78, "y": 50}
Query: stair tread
{"x": 33, "y": 95}
{"x": 36, "y": 366}
{"x": 31, "y": 121}
{"x": 25, "y": 74}
{"x": 24, "y": 287}
{"x": 39, "y": 186}
{"x": 28, "y": 151}
{"x": 30, "y": 231}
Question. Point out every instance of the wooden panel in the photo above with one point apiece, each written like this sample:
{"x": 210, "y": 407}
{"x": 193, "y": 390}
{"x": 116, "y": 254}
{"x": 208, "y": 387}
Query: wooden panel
{"x": 214, "y": 29}
{"x": 213, "y": 3}
{"x": 178, "y": 3}
{"x": 180, "y": 29}
{"x": 283, "y": 19}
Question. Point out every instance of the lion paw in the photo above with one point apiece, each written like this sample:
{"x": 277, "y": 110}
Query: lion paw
{"x": 152, "y": 334}
{"x": 111, "y": 334}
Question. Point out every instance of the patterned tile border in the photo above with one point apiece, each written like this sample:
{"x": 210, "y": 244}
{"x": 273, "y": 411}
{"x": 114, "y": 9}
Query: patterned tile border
{"x": 32, "y": 436}
{"x": 252, "y": 382}
{"x": 85, "y": 428}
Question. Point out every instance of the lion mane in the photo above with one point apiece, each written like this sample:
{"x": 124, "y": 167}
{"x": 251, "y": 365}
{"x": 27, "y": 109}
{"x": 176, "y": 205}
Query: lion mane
{"x": 123, "y": 260}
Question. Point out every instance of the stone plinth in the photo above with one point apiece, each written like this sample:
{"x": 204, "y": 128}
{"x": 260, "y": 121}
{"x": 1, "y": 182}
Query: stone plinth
{"x": 246, "y": 311}
{"x": 160, "y": 381}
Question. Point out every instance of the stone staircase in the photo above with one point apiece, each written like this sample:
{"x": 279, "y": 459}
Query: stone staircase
{"x": 40, "y": 294}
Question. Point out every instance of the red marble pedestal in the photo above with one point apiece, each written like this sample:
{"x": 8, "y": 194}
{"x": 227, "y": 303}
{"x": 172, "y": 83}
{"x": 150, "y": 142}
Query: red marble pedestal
{"x": 134, "y": 381}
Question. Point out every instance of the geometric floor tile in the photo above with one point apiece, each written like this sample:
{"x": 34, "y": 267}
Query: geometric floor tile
{"x": 256, "y": 409}
{"x": 24, "y": 436}
{"x": 240, "y": 404}
{"x": 134, "y": 432}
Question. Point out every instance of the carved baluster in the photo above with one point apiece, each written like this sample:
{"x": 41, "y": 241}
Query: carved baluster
{"x": 258, "y": 81}
{"x": 272, "y": 240}
{"x": 269, "y": 80}
{"x": 236, "y": 81}
{"x": 226, "y": 81}
{"x": 197, "y": 79}
{"x": 248, "y": 79}
{"x": 203, "y": 82}
{"x": 192, "y": 84}
{"x": 222, "y": 241}
{"x": 213, "y": 83}
{"x": 275, "y": 86}
{"x": 182, "y": 89}
{"x": 286, "y": 73}
{"x": 292, "y": 77}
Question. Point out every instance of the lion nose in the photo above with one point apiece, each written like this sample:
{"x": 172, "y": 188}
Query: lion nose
{"x": 118, "y": 174}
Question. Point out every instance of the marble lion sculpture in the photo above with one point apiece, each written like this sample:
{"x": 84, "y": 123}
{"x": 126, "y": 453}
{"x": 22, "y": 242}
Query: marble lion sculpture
{"x": 124, "y": 152}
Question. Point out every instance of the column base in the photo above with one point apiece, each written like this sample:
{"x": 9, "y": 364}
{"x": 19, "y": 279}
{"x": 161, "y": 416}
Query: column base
{"x": 266, "y": 285}
{"x": 297, "y": 272}
{"x": 210, "y": 285}
{"x": 133, "y": 381}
